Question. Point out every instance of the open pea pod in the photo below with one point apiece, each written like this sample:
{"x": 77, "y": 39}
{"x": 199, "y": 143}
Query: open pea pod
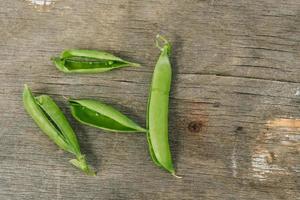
{"x": 48, "y": 116}
{"x": 89, "y": 61}
{"x": 102, "y": 116}
{"x": 158, "y": 109}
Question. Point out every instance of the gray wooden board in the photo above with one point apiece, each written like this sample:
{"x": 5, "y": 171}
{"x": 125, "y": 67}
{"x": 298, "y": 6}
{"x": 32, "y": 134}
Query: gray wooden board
{"x": 234, "y": 110}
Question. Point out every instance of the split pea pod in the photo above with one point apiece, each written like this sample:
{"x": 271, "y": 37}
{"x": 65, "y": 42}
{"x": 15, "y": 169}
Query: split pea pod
{"x": 48, "y": 116}
{"x": 89, "y": 61}
{"x": 157, "y": 112}
{"x": 99, "y": 115}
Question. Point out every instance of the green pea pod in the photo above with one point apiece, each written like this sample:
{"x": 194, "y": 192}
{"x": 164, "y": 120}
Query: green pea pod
{"x": 48, "y": 116}
{"x": 157, "y": 112}
{"x": 102, "y": 116}
{"x": 89, "y": 61}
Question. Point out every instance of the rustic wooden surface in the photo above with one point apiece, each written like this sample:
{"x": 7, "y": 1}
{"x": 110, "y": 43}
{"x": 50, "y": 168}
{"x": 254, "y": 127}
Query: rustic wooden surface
{"x": 234, "y": 113}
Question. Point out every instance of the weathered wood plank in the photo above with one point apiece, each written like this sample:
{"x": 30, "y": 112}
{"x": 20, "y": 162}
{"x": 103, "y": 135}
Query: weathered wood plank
{"x": 234, "y": 113}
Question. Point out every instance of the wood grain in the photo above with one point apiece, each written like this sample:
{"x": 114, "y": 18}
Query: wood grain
{"x": 234, "y": 113}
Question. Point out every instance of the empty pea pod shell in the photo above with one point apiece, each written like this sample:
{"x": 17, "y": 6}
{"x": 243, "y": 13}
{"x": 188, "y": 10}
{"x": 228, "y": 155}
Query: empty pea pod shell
{"x": 89, "y": 61}
{"x": 99, "y": 115}
{"x": 157, "y": 112}
{"x": 48, "y": 116}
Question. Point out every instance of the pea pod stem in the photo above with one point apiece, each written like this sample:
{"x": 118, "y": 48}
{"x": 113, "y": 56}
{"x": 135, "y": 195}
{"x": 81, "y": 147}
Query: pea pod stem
{"x": 160, "y": 38}
{"x": 48, "y": 116}
{"x": 81, "y": 163}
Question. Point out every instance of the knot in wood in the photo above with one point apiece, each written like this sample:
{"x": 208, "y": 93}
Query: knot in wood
{"x": 195, "y": 126}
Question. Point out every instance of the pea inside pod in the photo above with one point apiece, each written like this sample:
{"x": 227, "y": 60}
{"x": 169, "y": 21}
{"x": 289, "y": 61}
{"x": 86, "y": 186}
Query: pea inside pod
{"x": 89, "y": 61}
{"x": 99, "y": 115}
{"x": 48, "y": 116}
{"x": 157, "y": 112}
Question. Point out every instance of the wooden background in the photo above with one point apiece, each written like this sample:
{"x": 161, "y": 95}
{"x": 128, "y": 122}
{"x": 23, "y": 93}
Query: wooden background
{"x": 234, "y": 113}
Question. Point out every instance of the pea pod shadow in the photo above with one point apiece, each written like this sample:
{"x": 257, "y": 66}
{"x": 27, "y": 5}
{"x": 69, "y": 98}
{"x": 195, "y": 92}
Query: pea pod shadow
{"x": 173, "y": 112}
{"x": 85, "y": 143}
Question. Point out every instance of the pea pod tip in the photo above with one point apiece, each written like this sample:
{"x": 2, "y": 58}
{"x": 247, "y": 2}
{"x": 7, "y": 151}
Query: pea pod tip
{"x": 81, "y": 164}
{"x": 135, "y": 64}
{"x": 91, "y": 173}
{"x": 145, "y": 130}
{"x": 176, "y": 176}
{"x": 53, "y": 58}
{"x": 59, "y": 64}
